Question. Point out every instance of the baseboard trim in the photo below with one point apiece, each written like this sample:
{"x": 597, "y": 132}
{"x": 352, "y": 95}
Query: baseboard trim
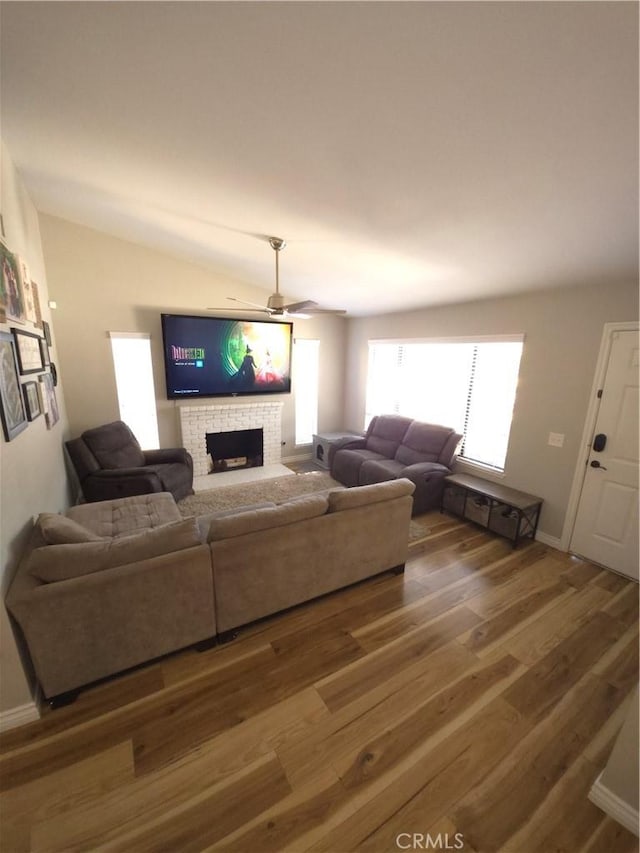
{"x": 19, "y": 716}
{"x": 300, "y": 458}
{"x": 551, "y": 541}
{"x": 614, "y": 806}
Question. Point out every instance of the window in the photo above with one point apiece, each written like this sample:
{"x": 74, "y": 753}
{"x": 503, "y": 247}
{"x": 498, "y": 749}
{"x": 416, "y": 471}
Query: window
{"x": 134, "y": 381}
{"x": 468, "y": 385}
{"x": 306, "y": 377}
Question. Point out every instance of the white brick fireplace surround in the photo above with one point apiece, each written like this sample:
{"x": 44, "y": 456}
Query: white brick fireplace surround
{"x": 197, "y": 421}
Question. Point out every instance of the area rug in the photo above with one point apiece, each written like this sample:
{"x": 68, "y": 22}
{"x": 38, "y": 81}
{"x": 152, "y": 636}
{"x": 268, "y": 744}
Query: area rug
{"x": 278, "y": 490}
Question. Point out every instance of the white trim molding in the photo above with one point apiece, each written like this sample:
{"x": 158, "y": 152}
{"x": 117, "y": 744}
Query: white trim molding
{"x": 19, "y": 716}
{"x": 614, "y": 806}
{"x": 551, "y": 541}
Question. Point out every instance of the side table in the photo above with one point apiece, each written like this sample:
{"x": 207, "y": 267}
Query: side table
{"x": 322, "y": 442}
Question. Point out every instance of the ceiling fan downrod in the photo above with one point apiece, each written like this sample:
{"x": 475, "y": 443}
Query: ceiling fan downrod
{"x": 277, "y": 244}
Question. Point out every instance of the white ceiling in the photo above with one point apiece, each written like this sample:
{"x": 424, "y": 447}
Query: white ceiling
{"x": 410, "y": 153}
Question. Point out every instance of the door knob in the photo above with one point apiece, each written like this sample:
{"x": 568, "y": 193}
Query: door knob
{"x": 596, "y": 464}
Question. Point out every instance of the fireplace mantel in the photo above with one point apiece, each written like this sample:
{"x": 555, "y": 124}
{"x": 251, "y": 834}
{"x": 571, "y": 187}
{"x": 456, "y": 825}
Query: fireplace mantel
{"x": 197, "y": 421}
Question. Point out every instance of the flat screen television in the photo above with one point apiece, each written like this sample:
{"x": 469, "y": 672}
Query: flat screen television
{"x": 218, "y": 357}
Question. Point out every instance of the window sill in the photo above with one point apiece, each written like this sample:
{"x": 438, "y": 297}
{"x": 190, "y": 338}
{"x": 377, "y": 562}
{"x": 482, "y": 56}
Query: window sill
{"x": 464, "y": 465}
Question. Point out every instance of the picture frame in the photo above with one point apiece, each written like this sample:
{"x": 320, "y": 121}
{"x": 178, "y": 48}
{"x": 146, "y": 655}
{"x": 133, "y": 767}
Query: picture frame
{"x": 29, "y": 302}
{"x": 48, "y": 400}
{"x": 36, "y": 303}
{"x": 28, "y": 350}
{"x": 11, "y": 293}
{"x": 47, "y": 332}
{"x": 32, "y": 402}
{"x": 44, "y": 352}
{"x": 12, "y": 410}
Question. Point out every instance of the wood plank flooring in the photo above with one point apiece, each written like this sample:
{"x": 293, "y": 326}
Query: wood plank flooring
{"x": 480, "y": 694}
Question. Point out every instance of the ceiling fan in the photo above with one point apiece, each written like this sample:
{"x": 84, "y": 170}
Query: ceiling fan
{"x": 276, "y": 306}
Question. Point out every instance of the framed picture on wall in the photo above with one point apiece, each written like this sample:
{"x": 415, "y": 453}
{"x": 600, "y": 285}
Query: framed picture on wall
{"x": 44, "y": 352}
{"x": 31, "y": 400}
{"x": 36, "y": 304}
{"x": 29, "y": 352}
{"x": 47, "y": 332}
{"x": 48, "y": 400}
{"x": 11, "y": 295}
{"x": 14, "y": 417}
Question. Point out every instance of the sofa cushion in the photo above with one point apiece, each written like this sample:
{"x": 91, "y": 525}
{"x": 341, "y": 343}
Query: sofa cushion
{"x": 62, "y": 562}
{"x": 59, "y": 530}
{"x": 341, "y": 499}
{"x": 125, "y": 516}
{"x": 347, "y": 464}
{"x": 298, "y": 509}
{"x": 380, "y": 470}
{"x": 385, "y": 434}
{"x": 423, "y": 443}
{"x": 114, "y": 446}
{"x": 204, "y": 521}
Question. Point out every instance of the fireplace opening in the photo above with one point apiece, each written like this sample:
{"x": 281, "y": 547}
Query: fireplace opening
{"x": 240, "y": 448}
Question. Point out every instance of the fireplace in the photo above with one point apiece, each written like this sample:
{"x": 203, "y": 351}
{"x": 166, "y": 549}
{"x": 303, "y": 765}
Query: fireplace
{"x": 197, "y": 421}
{"x": 240, "y": 448}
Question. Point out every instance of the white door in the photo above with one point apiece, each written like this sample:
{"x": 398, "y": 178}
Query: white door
{"x": 606, "y": 528}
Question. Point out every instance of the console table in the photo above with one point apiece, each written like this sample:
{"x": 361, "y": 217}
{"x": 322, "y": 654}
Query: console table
{"x": 502, "y": 510}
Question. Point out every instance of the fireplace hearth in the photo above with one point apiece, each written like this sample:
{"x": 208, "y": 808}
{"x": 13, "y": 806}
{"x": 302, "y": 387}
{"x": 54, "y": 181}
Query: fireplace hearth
{"x": 242, "y": 448}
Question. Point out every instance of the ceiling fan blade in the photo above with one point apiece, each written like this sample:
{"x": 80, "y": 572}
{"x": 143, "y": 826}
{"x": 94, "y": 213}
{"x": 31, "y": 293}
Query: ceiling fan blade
{"x": 263, "y": 308}
{"x": 300, "y": 306}
{"x": 247, "y": 310}
{"x": 312, "y": 311}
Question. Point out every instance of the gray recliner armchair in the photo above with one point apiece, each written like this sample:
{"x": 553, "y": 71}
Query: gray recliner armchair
{"x": 110, "y": 464}
{"x": 395, "y": 447}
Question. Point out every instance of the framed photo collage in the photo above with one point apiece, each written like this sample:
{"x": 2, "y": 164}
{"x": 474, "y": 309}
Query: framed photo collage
{"x": 27, "y": 384}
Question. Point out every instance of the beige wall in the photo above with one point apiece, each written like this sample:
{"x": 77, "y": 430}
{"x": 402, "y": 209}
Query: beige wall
{"x": 104, "y": 284}
{"x": 32, "y": 472}
{"x": 562, "y": 331}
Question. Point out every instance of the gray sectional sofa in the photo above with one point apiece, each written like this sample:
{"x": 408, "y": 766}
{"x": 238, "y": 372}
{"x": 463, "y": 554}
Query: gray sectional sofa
{"x": 113, "y": 584}
{"x": 397, "y": 447}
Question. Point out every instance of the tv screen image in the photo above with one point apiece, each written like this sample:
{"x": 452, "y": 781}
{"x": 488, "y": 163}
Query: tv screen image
{"x": 218, "y": 357}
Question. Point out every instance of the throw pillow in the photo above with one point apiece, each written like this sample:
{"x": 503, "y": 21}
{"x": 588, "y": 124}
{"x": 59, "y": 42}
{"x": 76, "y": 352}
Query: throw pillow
{"x": 60, "y": 530}
{"x": 62, "y": 562}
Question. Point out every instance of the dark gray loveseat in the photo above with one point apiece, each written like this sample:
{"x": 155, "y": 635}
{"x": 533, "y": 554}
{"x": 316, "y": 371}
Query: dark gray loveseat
{"x": 396, "y": 447}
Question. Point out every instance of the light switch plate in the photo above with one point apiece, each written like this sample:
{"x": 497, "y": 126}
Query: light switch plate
{"x": 556, "y": 439}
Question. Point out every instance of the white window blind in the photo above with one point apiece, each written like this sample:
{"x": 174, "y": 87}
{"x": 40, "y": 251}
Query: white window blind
{"x": 467, "y": 385}
{"x": 306, "y": 374}
{"x": 134, "y": 382}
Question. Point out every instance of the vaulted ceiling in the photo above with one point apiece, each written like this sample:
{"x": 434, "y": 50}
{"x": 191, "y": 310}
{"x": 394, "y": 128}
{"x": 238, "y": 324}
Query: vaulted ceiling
{"x": 411, "y": 153}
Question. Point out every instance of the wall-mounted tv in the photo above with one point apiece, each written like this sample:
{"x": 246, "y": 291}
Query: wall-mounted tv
{"x": 217, "y": 357}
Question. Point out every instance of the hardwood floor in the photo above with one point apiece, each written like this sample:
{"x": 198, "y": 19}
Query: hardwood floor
{"x": 477, "y": 697}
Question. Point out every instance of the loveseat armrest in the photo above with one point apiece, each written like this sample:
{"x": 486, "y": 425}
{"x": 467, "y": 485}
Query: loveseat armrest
{"x": 429, "y": 481}
{"x": 167, "y": 456}
{"x": 425, "y": 470}
{"x": 346, "y": 443}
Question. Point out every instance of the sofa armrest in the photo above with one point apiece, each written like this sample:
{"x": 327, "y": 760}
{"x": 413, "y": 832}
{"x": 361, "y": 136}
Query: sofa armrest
{"x": 167, "y": 455}
{"x": 120, "y": 617}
